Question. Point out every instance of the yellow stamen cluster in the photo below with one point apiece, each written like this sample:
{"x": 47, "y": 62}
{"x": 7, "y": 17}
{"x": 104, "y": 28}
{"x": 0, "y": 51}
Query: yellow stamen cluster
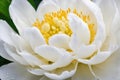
{"x": 57, "y": 22}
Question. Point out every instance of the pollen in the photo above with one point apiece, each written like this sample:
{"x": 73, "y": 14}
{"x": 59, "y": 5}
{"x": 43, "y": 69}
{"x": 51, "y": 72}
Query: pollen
{"x": 57, "y": 23}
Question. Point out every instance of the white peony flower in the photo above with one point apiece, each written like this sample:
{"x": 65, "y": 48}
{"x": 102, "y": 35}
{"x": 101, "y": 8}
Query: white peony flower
{"x": 72, "y": 39}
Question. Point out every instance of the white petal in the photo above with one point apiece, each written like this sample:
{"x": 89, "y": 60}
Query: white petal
{"x": 17, "y": 41}
{"x": 44, "y": 78}
{"x": 83, "y": 73}
{"x": 15, "y": 71}
{"x": 48, "y": 52}
{"x": 80, "y": 28}
{"x": 34, "y": 37}
{"x": 110, "y": 44}
{"x": 109, "y": 10}
{"x": 75, "y": 43}
{"x": 94, "y": 11}
{"x": 12, "y": 52}
{"x": 30, "y": 58}
{"x": 36, "y": 71}
{"x": 63, "y": 73}
{"x": 5, "y": 32}
{"x": 72, "y": 4}
{"x": 111, "y": 14}
{"x": 46, "y": 7}
{"x": 97, "y": 59}
{"x": 118, "y": 4}
{"x": 4, "y": 53}
{"x": 60, "y": 40}
{"x": 85, "y": 51}
{"x": 115, "y": 28}
{"x": 22, "y": 14}
{"x": 58, "y": 63}
{"x": 110, "y": 69}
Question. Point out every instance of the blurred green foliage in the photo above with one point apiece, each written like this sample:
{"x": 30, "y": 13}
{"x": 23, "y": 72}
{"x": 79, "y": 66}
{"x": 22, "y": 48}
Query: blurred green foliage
{"x": 4, "y": 15}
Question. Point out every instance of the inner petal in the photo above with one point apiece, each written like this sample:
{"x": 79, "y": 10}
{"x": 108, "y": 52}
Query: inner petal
{"x": 57, "y": 22}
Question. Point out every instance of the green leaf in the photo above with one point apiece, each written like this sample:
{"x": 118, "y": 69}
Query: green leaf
{"x": 33, "y": 3}
{"x": 4, "y": 4}
{"x": 37, "y": 2}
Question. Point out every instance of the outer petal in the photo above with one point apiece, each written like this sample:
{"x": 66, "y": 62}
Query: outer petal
{"x": 60, "y": 40}
{"x": 98, "y": 58}
{"x": 30, "y": 58}
{"x": 45, "y": 7}
{"x": 36, "y": 71}
{"x": 109, "y": 11}
{"x": 22, "y": 14}
{"x": 6, "y": 36}
{"x": 34, "y": 37}
{"x": 110, "y": 69}
{"x": 115, "y": 28}
{"x": 111, "y": 14}
{"x": 13, "y": 53}
{"x": 4, "y": 53}
{"x": 118, "y": 4}
{"x": 63, "y": 73}
{"x": 44, "y": 78}
{"x": 5, "y": 32}
{"x": 15, "y": 71}
{"x": 83, "y": 73}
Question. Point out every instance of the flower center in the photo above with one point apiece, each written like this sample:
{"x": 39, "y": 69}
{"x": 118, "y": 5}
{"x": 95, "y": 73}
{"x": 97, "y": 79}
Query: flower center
{"x": 57, "y": 22}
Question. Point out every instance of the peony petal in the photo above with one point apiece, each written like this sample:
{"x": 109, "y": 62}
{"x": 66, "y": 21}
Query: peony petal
{"x": 34, "y": 37}
{"x": 118, "y": 4}
{"x": 60, "y": 40}
{"x": 5, "y": 32}
{"x": 12, "y": 52}
{"x": 111, "y": 14}
{"x": 85, "y": 51}
{"x": 36, "y": 71}
{"x": 80, "y": 28}
{"x": 97, "y": 59}
{"x": 83, "y": 73}
{"x": 72, "y": 4}
{"x": 44, "y": 78}
{"x": 63, "y": 73}
{"x": 115, "y": 28}
{"x": 30, "y": 58}
{"x": 110, "y": 69}
{"x": 95, "y": 13}
{"x": 22, "y": 14}
{"x": 15, "y": 71}
{"x": 109, "y": 11}
{"x": 19, "y": 43}
{"x": 48, "y": 52}
{"x": 55, "y": 55}
{"x": 67, "y": 60}
{"x": 3, "y": 52}
{"x": 110, "y": 44}
{"x": 46, "y": 6}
